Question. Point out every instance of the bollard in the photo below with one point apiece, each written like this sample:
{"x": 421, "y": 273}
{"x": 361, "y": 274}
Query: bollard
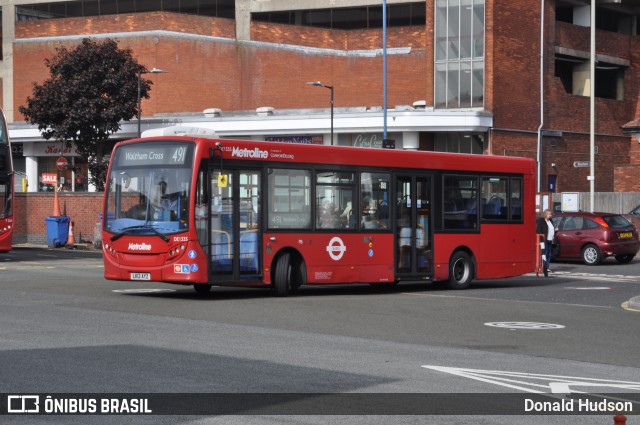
{"x": 71, "y": 241}
{"x": 619, "y": 420}
{"x": 539, "y": 254}
{"x": 56, "y": 204}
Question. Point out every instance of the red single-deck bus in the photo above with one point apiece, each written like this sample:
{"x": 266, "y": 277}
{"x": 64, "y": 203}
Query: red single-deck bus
{"x": 6, "y": 188}
{"x": 203, "y": 212}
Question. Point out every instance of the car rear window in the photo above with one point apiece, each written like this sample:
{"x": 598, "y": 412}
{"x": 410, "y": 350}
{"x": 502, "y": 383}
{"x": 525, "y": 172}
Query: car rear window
{"x": 616, "y": 221}
{"x": 590, "y": 224}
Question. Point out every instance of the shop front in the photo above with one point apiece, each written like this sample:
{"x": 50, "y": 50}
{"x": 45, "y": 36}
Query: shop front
{"x": 44, "y": 160}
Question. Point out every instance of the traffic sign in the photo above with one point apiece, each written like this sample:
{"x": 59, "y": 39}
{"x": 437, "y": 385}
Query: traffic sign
{"x": 62, "y": 163}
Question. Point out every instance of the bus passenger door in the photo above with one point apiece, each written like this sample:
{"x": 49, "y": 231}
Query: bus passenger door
{"x": 235, "y": 225}
{"x": 413, "y": 227}
{"x": 249, "y": 233}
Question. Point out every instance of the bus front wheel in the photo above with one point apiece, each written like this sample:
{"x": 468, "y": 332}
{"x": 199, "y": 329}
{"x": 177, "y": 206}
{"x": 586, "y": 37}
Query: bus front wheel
{"x": 460, "y": 270}
{"x": 282, "y": 278}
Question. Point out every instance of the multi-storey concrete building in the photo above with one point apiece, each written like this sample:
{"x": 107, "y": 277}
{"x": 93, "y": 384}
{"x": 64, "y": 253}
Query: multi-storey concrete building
{"x": 499, "y": 77}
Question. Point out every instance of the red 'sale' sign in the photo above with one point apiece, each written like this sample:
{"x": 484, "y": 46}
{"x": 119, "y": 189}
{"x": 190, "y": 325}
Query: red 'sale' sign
{"x": 48, "y": 178}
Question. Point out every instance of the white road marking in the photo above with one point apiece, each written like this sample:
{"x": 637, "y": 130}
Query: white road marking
{"x": 597, "y": 276}
{"x": 589, "y": 288}
{"x": 524, "y": 325}
{"x": 536, "y": 383}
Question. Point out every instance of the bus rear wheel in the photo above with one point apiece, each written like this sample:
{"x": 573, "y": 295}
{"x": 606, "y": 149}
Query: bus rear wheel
{"x": 282, "y": 276}
{"x": 202, "y": 289}
{"x": 460, "y": 270}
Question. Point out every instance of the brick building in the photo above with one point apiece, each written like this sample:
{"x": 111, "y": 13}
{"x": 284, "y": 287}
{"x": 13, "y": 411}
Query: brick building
{"x": 462, "y": 75}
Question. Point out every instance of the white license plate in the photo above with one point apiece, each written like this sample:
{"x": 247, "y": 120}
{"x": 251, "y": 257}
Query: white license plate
{"x": 140, "y": 276}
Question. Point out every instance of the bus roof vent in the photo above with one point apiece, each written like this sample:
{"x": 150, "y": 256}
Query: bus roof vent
{"x": 420, "y": 104}
{"x": 212, "y": 112}
{"x": 180, "y": 130}
{"x": 264, "y": 111}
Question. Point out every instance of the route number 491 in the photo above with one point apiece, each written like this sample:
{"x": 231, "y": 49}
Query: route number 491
{"x": 179, "y": 155}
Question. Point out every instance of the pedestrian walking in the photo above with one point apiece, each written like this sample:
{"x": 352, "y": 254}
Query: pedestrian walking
{"x": 544, "y": 226}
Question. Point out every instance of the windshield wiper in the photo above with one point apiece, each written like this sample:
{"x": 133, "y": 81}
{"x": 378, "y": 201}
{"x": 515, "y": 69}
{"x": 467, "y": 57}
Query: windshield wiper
{"x": 144, "y": 226}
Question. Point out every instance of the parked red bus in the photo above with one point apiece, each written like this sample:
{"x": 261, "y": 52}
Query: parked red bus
{"x": 6, "y": 188}
{"x": 203, "y": 212}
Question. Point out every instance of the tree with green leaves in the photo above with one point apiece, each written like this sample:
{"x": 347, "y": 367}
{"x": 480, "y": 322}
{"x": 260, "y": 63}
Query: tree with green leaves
{"x": 91, "y": 89}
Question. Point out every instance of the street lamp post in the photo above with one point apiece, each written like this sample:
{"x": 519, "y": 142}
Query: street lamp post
{"x": 152, "y": 71}
{"x": 320, "y": 84}
{"x": 384, "y": 69}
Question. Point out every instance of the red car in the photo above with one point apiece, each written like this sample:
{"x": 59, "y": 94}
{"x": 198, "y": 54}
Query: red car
{"x": 593, "y": 237}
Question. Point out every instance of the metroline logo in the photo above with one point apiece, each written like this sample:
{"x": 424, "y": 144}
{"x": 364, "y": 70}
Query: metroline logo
{"x": 248, "y": 153}
{"x": 139, "y": 246}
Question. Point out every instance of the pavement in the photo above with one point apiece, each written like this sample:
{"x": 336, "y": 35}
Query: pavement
{"x": 79, "y": 246}
{"x": 634, "y": 304}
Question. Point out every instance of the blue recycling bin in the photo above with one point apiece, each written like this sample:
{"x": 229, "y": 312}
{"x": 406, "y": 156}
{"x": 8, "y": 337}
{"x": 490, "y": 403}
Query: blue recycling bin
{"x": 57, "y": 231}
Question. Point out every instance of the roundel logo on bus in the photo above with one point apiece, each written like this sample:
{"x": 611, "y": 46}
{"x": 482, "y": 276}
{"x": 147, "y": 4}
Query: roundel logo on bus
{"x": 336, "y": 248}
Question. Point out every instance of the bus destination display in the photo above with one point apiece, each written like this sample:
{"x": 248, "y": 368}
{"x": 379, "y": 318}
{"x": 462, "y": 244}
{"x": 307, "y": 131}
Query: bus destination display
{"x": 153, "y": 154}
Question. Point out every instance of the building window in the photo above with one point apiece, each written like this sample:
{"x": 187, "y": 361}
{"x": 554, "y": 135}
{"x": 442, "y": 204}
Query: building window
{"x": 574, "y": 75}
{"x": 349, "y": 18}
{"x": 77, "y": 8}
{"x": 459, "y": 143}
{"x": 459, "y": 54}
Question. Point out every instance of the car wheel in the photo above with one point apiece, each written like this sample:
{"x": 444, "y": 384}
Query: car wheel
{"x": 624, "y": 259}
{"x": 591, "y": 255}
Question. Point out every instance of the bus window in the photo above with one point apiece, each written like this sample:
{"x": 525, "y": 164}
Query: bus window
{"x": 289, "y": 204}
{"x": 157, "y": 198}
{"x": 516, "y": 199}
{"x": 201, "y": 204}
{"x": 494, "y": 190}
{"x": 460, "y": 202}
{"x": 334, "y": 200}
{"x": 5, "y": 196}
{"x": 374, "y": 205}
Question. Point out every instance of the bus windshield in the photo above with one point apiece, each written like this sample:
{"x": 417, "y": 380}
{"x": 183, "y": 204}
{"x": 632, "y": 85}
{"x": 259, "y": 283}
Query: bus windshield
{"x": 4, "y": 137}
{"x": 148, "y": 189}
{"x": 6, "y": 180}
{"x": 5, "y": 195}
